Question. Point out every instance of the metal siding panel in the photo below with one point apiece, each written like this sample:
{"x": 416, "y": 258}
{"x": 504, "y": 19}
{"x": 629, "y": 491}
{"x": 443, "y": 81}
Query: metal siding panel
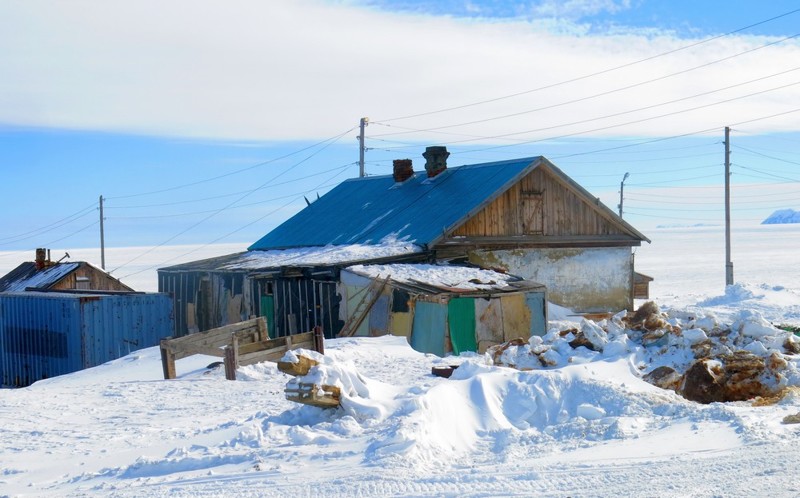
{"x": 461, "y": 319}
{"x": 537, "y": 304}
{"x": 430, "y": 320}
{"x": 516, "y": 317}
{"x": 47, "y": 335}
{"x": 379, "y": 317}
{"x": 489, "y": 323}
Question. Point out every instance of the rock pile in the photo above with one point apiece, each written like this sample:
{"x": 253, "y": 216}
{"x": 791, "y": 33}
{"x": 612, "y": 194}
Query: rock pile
{"x": 692, "y": 355}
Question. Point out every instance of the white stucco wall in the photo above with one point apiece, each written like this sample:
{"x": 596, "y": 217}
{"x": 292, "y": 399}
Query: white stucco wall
{"x": 582, "y": 279}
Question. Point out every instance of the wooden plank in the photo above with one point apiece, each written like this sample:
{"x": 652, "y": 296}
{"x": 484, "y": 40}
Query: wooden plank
{"x": 274, "y": 354}
{"x": 193, "y": 350}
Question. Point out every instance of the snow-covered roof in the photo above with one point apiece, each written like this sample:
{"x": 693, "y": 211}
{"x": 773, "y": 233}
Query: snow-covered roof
{"x": 27, "y": 275}
{"x": 304, "y": 256}
{"x": 446, "y": 278}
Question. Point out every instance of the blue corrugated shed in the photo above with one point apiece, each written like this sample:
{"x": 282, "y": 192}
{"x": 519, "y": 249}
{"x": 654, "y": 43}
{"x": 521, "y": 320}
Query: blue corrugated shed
{"x": 43, "y": 335}
{"x": 419, "y": 210}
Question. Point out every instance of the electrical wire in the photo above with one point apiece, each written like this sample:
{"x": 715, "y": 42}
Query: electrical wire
{"x": 627, "y": 123}
{"x": 327, "y": 141}
{"x": 617, "y": 90}
{"x": 295, "y": 199}
{"x": 52, "y": 226}
{"x": 597, "y": 73}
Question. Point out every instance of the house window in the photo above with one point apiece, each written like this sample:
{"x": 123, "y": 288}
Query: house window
{"x": 532, "y": 213}
{"x": 82, "y": 283}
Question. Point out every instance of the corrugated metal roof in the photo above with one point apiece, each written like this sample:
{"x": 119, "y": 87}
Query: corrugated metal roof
{"x": 373, "y": 209}
{"x": 27, "y": 275}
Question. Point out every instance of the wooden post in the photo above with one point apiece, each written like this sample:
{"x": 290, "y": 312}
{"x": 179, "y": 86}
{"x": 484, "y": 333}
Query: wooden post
{"x": 167, "y": 361}
{"x": 231, "y": 360}
{"x": 319, "y": 340}
{"x": 263, "y": 335}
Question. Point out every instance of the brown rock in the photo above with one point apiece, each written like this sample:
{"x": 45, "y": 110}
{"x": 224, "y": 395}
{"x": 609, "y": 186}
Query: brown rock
{"x": 581, "y": 340}
{"x": 792, "y": 345}
{"x": 644, "y": 311}
{"x": 742, "y": 371}
{"x": 701, "y": 385}
{"x": 665, "y": 378}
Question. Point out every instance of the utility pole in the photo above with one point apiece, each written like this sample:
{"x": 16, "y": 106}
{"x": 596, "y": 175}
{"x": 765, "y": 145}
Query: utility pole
{"x": 102, "y": 238}
{"x": 621, "y": 189}
{"x": 728, "y": 262}
{"x": 364, "y": 122}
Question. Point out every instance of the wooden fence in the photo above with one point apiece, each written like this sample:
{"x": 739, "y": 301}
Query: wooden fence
{"x": 239, "y": 344}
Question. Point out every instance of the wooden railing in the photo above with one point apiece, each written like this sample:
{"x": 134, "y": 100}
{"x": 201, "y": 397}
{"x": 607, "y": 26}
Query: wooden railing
{"x": 239, "y": 344}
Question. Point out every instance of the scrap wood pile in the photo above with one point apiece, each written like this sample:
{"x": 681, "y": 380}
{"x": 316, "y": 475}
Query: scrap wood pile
{"x": 320, "y": 380}
{"x": 689, "y": 353}
{"x": 303, "y": 388}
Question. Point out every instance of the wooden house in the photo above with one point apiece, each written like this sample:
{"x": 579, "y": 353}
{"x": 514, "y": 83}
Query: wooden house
{"x": 523, "y": 216}
{"x": 42, "y": 274}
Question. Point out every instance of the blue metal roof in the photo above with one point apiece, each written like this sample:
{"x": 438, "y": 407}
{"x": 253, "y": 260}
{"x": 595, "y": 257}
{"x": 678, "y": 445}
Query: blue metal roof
{"x": 419, "y": 210}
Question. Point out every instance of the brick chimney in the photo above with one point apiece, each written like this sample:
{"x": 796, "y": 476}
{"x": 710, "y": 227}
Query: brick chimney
{"x": 403, "y": 170}
{"x": 435, "y": 160}
{"x": 41, "y": 258}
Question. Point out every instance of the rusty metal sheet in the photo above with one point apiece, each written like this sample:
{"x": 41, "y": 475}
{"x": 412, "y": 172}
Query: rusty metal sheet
{"x": 488, "y": 323}
{"x": 516, "y": 317}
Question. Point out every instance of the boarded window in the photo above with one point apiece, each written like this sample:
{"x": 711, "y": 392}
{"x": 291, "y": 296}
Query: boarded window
{"x": 532, "y": 213}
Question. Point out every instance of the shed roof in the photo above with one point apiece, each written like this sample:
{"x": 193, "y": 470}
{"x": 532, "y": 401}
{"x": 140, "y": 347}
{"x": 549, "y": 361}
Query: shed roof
{"x": 420, "y": 210}
{"x": 443, "y": 278}
{"x": 300, "y": 257}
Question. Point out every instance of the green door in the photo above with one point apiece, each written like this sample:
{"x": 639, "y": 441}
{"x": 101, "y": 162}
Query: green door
{"x": 461, "y": 319}
{"x": 268, "y": 312}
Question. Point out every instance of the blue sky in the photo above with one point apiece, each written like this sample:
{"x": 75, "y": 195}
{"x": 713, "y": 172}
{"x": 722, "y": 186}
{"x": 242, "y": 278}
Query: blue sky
{"x": 210, "y": 123}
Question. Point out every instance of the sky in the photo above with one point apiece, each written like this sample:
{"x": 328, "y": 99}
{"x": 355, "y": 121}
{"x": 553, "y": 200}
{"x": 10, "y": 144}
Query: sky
{"x": 205, "y": 123}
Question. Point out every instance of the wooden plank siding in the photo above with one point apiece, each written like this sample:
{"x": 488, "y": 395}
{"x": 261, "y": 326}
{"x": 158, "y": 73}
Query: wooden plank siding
{"x": 514, "y": 213}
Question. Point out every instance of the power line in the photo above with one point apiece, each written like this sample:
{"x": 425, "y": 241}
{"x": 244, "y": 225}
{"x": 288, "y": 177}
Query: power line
{"x": 327, "y": 141}
{"x": 590, "y": 75}
{"x": 233, "y": 193}
{"x": 617, "y": 90}
{"x": 296, "y": 198}
{"x": 768, "y": 156}
{"x": 52, "y": 226}
{"x": 627, "y": 123}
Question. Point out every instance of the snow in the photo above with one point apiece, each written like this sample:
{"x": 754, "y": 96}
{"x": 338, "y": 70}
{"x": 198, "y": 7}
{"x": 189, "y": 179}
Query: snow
{"x": 454, "y": 277}
{"x": 306, "y": 256}
{"x": 586, "y": 426}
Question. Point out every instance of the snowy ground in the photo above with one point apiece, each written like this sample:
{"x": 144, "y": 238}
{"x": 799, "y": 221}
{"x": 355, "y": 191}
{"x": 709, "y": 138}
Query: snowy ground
{"x": 588, "y": 427}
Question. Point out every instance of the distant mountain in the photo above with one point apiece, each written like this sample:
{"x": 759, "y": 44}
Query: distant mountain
{"x": 782, "y": 216}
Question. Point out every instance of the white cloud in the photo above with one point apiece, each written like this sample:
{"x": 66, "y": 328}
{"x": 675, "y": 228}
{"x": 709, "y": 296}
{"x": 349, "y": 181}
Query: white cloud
{"x": 575, "y": 9}
{"x": 307, "y": 69}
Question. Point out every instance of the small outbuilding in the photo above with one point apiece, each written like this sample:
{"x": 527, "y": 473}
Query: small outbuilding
{"x": 442, "y": 308}
{"x": 44, "y": 274}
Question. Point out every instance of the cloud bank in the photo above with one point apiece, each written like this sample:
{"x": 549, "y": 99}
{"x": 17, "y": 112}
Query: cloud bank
{"x": 251, "y": 70}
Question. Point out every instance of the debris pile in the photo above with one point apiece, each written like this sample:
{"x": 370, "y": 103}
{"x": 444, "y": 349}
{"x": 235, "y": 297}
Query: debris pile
{"x": 689, "y": 353}
{"x": 319, "y": 380}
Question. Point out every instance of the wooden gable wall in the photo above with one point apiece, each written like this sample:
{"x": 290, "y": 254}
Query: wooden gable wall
{"x": 86, "y": 277}
{"x": 539, "y": 204}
